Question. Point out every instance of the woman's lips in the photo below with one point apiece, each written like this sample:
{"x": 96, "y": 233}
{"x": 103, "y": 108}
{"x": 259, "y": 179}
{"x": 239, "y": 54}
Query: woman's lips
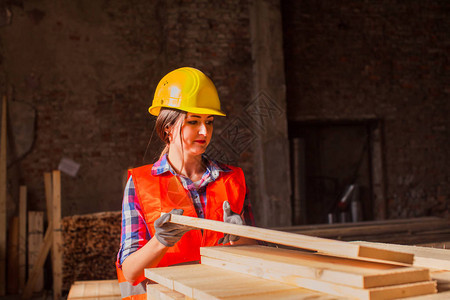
{"x": 200, "y": 141}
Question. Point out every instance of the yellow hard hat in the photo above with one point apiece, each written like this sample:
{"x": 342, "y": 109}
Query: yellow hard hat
{"x": 186, "y": 89}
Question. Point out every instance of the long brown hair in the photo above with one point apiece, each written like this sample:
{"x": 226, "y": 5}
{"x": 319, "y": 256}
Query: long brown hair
{"x": 166, "y": 119}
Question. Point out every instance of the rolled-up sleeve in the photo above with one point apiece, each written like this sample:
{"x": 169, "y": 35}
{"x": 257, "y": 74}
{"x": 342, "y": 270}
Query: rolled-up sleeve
{"x": 135, "y": 233}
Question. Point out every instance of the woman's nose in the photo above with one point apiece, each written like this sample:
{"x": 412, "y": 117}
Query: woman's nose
{"x": 202, "y": 129}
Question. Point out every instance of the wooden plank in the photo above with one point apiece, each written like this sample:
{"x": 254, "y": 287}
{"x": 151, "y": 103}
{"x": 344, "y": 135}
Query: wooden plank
{"x": 326, "y": 268}
{"x": 57, "y": 237}
{"x": 443, "y": 280}
{"x": 384, "y": 292}
{"x": 405, "y": 239}
{"x": 22, "y": 236}
{"x": 421, "y": 220}
{"x": 205, "y": 282}
{"x": 35, "y": 241}
{"x": 423, "y": 256}
{"x": 95, "y": 289}
{"x": 160, "y": 292}
{"x": 438, "y": 245}
{"x": 327, "y": 246}
{"x": 439, "y": 296}
{"x": 376, "y": 229}
{"x": 13, "y": 256}
{"x": 43, "y": 252}
{"x": 3, "y": 185}
{"x": 48, "y": 195}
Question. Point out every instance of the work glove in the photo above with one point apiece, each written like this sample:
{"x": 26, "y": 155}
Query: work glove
{"x": 168, "y": 233}
{"x": 230, "y": 217}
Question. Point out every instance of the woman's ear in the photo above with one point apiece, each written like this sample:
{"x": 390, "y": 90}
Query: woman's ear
{"x": 168, "y": 130}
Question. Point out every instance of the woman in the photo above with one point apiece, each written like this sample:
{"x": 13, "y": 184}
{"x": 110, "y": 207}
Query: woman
{"x": 183, "y": 181}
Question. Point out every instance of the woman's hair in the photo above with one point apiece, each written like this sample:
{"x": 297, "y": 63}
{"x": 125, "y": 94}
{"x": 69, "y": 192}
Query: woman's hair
{"x": 166, "y": 119}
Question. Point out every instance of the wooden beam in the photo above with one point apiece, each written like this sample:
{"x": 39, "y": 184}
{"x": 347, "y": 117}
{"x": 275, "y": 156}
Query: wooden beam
{"x": 48, "y": 195}
{"x": 341, "y": 290}
{"x": 160, "y": 292}
{"x": 57, "y": 236}
{"x": 48, "y": 239}
{"x": 13, "y": 256}
{"x": 95, "y": 289}
{"x": 43, "y": 252}
{"x": 22, "y": 236}
{"x": 205, "y": 282}
{"x": 35, "y": 241}
{"x": 358, "y": 224}
{"x": 374, "y": 229}
{"x": 438, "y": 259}
{"x": 3, "y": 169}
{"x": 327, "y": 246}
{"x": 356, "y": 273}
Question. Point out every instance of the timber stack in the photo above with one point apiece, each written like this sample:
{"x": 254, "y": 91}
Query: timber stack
{"x": 337, "y": 270}
{"x": 90, "y": 247}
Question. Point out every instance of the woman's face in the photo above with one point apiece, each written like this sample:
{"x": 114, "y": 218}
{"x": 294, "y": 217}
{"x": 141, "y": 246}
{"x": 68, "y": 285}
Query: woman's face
{"x": 196, "y": 132}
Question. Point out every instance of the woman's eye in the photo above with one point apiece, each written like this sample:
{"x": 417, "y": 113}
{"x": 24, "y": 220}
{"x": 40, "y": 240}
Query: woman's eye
{"x": 192, "y": 122}
{"x": 209, "y": 122}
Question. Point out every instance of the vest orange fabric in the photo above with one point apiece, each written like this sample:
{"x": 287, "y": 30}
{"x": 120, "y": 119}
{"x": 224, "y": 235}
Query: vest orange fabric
{"x": 162, "y": 193}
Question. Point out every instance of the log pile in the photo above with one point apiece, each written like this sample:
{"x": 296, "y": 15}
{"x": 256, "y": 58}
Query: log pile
{"x": 91, "y": 243}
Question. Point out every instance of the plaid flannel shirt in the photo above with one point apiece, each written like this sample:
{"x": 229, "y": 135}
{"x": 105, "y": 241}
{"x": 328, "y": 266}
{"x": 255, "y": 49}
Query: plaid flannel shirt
{"x": 135, "y": 233}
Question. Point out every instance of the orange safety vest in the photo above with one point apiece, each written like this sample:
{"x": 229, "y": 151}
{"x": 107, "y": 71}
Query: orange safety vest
{"x": 164, "y": 192}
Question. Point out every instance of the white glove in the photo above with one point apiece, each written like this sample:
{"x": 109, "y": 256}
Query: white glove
{"x": 230, "y": 217}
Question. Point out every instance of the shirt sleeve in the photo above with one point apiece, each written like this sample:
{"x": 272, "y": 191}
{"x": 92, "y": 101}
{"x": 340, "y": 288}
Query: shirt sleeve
{"x": 135, "y": 233}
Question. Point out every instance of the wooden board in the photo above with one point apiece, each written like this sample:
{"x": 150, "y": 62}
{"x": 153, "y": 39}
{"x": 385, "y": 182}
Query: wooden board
{"x": 439, "y": 296}
{"x": 13, "y": 256}
{"x": 443, "y": 280}
{"x": 96, "y": 289}
{"x": 423, "y": 256}
{"x": 43, "y": 252}
{"x": 343, "y": 226}
{"x": 374, "y": 229}
{"x": 35, "y": 241}
{"x": 327, "y": 246}
{"x": 3, "y": 169}
{"x": 57, "y": 236}
{"x": 160, "y": 292}
{"x": 205, "y": 282}
{"x": 385, "y": 292}
{"x": 48, "y": 195}
{"x": 337, "y": 270}
{"x": 22, "y": 236}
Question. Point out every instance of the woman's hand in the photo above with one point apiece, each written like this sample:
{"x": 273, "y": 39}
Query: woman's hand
{"x": 230, "y": 217}
{"x": 168, "y": 233}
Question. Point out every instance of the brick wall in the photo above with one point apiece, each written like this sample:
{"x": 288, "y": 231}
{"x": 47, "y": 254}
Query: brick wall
{"x": 90, "y": 68}
{"x": 385, "y": 60}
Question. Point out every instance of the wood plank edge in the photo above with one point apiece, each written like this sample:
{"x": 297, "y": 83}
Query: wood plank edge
{"x": 388, "y": 255}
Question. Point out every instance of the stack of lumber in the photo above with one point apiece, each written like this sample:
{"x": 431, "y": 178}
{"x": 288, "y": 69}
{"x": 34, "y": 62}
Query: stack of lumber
{"x": 400, "y": 231}
{"x": 437, "y": 260}
{"x": 96, "y": 289}
{"x": 91, "y": 243}
{"x": 259, "y": 272}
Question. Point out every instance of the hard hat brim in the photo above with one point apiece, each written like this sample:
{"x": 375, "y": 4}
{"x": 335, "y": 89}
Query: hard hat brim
{"x": 154, "y": 110}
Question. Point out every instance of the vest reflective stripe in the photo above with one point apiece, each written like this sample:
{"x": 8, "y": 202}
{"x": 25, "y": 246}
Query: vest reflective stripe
{"x": 133, "y": 291}
{"x": 129, "y": 291}
{"x": 162, "y": 193}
